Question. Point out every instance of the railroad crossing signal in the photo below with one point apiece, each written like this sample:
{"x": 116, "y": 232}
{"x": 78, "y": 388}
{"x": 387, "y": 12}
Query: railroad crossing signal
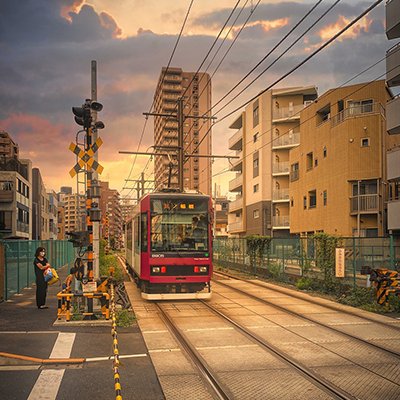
{"x": 86, "y": 157}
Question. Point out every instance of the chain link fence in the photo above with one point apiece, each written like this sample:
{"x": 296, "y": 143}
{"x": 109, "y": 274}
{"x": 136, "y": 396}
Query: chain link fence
{"x": 289, "y": 259}
{"x": 16, "y": 262}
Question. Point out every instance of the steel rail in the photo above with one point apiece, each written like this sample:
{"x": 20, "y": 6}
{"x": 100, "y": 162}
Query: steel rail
{"x": 218, "y": 389}
{"x": 266, "y": 285}
{"x": 316, "y": 379}
{"x": 384, "y": 349}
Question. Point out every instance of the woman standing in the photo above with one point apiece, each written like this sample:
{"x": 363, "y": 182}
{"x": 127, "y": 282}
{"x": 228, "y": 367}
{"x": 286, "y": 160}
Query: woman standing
{"x": 40, "y": 264}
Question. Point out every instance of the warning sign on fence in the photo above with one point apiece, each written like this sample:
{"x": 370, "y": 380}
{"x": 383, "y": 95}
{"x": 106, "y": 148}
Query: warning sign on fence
{"x": 340, "y": 262}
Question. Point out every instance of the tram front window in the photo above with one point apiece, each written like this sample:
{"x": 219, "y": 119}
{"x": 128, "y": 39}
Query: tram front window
{"x": 179, "y": 226}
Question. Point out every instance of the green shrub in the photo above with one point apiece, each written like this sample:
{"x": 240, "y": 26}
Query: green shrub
{"x": 358, "y": 297}
{"x": 125, "y": 318}
{"x": 305, "y": 283}
{"x": 108, "y": 261}
{"x": 394, "y": 303}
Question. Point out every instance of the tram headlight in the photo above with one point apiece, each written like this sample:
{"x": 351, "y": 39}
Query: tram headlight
{"x": 155, "y": 270}
{"x": 203, "y": 269}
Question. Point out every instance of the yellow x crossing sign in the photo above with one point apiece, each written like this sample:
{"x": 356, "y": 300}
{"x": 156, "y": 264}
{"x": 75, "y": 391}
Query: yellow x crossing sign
{"x": 86, "y": 157}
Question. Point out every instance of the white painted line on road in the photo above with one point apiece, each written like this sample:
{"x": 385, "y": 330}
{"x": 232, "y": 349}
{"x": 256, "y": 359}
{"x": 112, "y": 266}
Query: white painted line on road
{"x": 26, "y": 332}
{"x": 49, "y": 380}
{"x": 47, "y": 385}
{"x": 93, "y": 359}
{"x": 63, "y": 346}
{"x": 19, "y": 367}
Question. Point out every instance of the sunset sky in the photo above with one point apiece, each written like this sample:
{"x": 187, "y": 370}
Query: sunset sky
{"x": 46, "y": 49}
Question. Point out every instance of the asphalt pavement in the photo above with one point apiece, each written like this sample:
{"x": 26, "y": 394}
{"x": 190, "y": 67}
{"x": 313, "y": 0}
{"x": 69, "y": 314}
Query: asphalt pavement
{"x": 33, "y": 341}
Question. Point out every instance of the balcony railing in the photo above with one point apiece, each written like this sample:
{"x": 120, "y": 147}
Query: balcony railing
{"x": 22, "y": 227}
{"x": 280, "y": 167}
{"x": 287, "y": 140}
{"x": 362, "y": 109}
{"x": 280, "y": 221}
{"x": 236, "y": 183}
{"x": 236, "y": 204}
{"x": 280, "y": 195}
{"x": 365, "y": 203}
{"x": 235, "y": 140}
{"x": 288, "y": 112}
{"x": 237, "y": 162}
{"x": 235, "y": 227}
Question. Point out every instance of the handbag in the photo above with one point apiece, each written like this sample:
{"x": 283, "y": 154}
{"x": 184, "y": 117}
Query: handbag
{"x": 54, "y": 277}
{"x": 48, "y": 274}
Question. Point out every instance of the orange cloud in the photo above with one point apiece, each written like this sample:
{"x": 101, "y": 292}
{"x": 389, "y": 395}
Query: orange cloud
{"x": 74, "y": 7}
{"x": 108, "y": 22}
{"x": 266, "y": 26}
{"x": 328, "y": 31}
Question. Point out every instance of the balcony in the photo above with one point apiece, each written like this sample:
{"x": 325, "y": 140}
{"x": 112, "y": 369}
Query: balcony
{"x": 172, "y": 78}
{"x": 237, "y": 163}
{"x": 393, "y": 19}
{"x": 365, "y": 204}
{"x": 280, "y": 168}
{"x": 6, "y": 196}
{"x": 351, "y": 112}
{"x": 171, "y": 96}
{"x": 394, "y": 215}
{"x": 171, "y": 88}
{"x": 393, "y": 115}
{"x": 286, "y": 141}
{"x": 280, "y": 195}
{"x": 393, "y": 66}
{"x": 393, "y": 164}
{"x": 281, "y": 222}
{"x": 236, "y": 184}
{"x": 236, "y": 204}
{"x": 284, "y": 113}
{"x": 235, "y": 227}
{"x": 235, "y": 141}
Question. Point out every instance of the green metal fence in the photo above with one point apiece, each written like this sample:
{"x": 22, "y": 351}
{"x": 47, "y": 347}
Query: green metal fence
{"x": 298, "y": 257}
{"x": 18, "y": 261}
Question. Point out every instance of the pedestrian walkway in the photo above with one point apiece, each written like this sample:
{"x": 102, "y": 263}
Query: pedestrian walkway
{"x": 39, "y": 342}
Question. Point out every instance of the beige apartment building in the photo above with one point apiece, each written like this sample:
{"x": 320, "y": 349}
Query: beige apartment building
{"x": 393, "y": 115}
{"x": 265, "y": 132}
{"x": 338, "y": 171}
{"x": 196, "y": 92}
{"x": 74, "y": 211}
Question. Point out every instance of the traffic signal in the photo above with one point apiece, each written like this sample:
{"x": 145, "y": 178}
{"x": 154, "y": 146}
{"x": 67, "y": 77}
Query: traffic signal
{"x": 83, "y": 115}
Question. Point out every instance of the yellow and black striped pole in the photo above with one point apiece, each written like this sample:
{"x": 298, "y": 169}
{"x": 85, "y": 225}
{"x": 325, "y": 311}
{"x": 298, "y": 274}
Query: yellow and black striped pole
{"x": 117, "y": 384}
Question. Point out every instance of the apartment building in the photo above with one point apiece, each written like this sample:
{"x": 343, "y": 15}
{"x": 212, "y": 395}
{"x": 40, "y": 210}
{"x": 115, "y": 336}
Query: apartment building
{"x": 265, "y": 132}
{"x": 40, "y": 207}
{"x": 74, "y": 212}
{"x": 15, "y": 197}
{"x": 53, "y": 215}
{"x": 111, "y": 227}
{"x": 196, "y": 92}
{"x": 393, "y": 115}
{"x": 221, "y": 206}
{"x": 338, "y": 172}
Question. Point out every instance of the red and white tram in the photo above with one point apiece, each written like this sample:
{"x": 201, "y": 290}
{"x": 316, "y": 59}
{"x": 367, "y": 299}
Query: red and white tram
{"x": 169, "y": 245}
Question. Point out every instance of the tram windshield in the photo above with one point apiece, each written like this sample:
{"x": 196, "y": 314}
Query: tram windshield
{"x": 179, "y": 225}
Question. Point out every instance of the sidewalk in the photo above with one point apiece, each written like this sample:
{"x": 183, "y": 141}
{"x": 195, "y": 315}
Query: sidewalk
{"x": 29, "y": 332}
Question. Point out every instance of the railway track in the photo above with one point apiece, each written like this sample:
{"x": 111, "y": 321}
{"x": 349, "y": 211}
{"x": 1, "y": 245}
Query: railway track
{"x": 292, "y": 293}
{"x": 314, "y": 320}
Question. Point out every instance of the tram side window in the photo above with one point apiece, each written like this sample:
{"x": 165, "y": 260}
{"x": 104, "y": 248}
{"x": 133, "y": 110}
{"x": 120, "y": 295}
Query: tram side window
{"x": 137, "y": 234}
{"x": 143, "y": 233}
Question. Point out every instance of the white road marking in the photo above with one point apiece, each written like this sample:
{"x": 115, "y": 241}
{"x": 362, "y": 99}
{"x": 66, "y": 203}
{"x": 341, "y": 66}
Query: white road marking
{"x": 49, "y": 380}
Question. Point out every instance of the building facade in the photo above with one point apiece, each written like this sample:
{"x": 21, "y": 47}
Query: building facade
{"x": 53, "y": 215}
{"x": 112, "y": 222}
{"x": 265, "y": 132}
{"x": 393, "y": 115}
{"x": 221, "y": 206}
{"x": 74, "y": 212}
{"x": 40, "y": 207}
{"x": 338, "y": 171}
{"x": 196, "y": 92}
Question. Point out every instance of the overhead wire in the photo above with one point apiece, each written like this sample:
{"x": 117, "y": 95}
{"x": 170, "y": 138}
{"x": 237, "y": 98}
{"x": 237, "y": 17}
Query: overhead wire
{"x": 165, "y": 72}
{"x": 319, "y": 49}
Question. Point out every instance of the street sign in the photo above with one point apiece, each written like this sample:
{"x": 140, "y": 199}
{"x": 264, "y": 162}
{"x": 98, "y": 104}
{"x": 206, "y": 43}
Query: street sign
{"x": 86, "y": 157}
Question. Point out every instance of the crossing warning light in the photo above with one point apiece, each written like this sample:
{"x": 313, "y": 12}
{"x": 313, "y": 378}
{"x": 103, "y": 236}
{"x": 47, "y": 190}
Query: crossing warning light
{"x": 83, "y": 114}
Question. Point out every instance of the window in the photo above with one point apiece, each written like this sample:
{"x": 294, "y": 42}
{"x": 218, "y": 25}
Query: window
{"x": 325, "y": 152}
{"x": 365, "y": 188}
{"x": 310, "y": 161}
{"x": 143, "y": 232}
{"x": 323, "y": 114}
{"x": 325, "y": 197}
{"x": 255, "y": 164}
{"x": 256, "y": 214}
{"x": 312, "y": 199}
{"x": 304, "y": 202}
{"x": 255, "y": 137}
{"x": 294, "y": 172}
{"x": 255, "y": 113}
{"x": 364, "y": 142}
{"x": 256, "y": 188}
{"x": 360, "y": 106}
{"x": 291, "y": 202}
{"x": 316, "y": 162}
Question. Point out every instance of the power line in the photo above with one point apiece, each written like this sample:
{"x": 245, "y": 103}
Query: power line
{"x": 169, "y": 63}
{"x": 328, "y": 42}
